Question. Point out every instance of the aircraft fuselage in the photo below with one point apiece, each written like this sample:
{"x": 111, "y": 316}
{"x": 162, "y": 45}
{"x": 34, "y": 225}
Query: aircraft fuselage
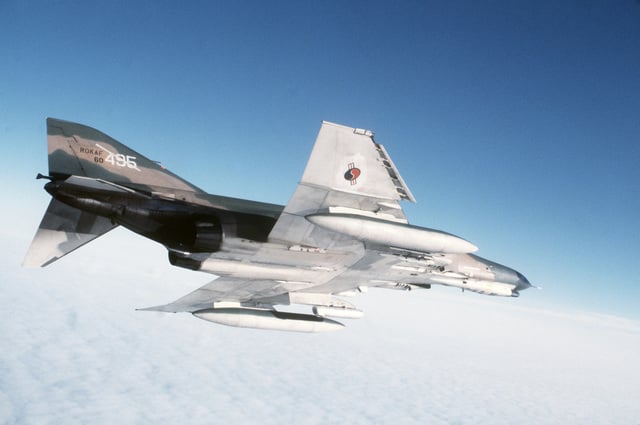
{"x": 228, "y": 240}
{"x": 179, "y": 225}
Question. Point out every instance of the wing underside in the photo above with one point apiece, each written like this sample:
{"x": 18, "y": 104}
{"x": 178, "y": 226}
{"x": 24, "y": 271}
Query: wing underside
{"x": 347, "y": 172}
{"x": 225, "y": 289}
{"x": 343, "y": 231}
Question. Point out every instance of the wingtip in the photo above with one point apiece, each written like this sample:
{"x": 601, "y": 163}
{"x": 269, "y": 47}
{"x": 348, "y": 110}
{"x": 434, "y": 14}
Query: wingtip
{"x": 158, "y": 308}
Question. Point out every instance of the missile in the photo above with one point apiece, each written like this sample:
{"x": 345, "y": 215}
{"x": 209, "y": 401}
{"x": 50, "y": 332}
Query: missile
{"x": 243, "y": 317}
{"x": 346, "y": 313}
{"x": 488, "y": 287}
{"x": 392, "y": 234}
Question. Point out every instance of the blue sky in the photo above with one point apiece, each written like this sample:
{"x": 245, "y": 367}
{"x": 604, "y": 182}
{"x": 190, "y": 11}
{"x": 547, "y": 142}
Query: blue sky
{"x": 515, "y": 124}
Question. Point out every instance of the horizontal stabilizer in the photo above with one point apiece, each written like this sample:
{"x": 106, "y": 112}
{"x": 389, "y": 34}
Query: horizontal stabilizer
{"x": 62, "y": 230}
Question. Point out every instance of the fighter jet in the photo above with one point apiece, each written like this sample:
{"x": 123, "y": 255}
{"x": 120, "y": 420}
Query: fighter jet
{"x": 342, "y": 232}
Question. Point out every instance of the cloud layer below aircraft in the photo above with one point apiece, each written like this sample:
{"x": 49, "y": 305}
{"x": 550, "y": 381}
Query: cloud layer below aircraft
{"x": 75, "y": 351}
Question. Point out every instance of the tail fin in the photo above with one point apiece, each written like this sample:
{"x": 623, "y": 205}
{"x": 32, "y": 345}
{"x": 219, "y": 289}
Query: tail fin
{"x": 62, "y": 230}
{"x": 78, "y": 150}
{"x": 75, "y": 149}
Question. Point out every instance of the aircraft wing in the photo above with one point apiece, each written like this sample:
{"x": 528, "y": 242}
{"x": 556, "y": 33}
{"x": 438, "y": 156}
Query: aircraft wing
{"x": 224, "y": 289}
{"x": 347, "y": 173}
{"x": 372, "y": 268}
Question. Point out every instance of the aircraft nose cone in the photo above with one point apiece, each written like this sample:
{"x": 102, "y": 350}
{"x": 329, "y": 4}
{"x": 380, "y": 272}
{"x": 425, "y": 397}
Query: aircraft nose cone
{"x": 523, "y": 282}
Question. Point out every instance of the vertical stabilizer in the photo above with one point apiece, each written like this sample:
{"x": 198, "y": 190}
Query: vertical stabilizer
{"x": 79, "y": 150}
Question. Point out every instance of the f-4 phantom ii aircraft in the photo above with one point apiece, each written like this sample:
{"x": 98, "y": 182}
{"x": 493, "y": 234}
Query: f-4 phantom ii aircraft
{"x": 342, "y": 231}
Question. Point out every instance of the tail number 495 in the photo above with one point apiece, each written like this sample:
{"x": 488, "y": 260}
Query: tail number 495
{"x": 120, "y": 160}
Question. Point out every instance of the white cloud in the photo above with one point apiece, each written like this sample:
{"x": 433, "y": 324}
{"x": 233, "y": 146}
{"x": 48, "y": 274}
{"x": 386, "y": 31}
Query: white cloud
{"x": 75, "y": 351}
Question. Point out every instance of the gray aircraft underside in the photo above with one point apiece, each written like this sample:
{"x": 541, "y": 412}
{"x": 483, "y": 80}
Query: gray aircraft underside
{"x": 342, "y": 232}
